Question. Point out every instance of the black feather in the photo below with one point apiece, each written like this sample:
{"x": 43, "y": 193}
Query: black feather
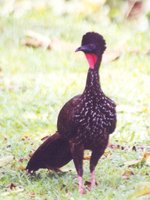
{"x": 96, "y": 39}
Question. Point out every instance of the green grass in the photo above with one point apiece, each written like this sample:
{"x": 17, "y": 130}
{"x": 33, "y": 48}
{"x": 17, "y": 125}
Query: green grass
{"x": 34, "y": 85}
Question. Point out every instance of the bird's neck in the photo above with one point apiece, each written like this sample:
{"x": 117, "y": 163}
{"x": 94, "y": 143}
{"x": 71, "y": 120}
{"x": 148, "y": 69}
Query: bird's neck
{"x": 93, "y": 79}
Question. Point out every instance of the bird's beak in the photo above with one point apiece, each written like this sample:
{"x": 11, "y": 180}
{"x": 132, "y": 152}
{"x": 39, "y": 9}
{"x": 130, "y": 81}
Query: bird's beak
{"x": 87, "y": 48}
{"x": 78, "y": 49}
{"x": 82, "y": 48}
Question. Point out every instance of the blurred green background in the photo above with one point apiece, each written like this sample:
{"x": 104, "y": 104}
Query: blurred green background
{"x": 39, "y": 72}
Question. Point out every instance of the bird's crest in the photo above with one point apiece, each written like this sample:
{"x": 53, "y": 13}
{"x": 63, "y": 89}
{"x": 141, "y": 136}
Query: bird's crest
{"x": 96, "y": 39}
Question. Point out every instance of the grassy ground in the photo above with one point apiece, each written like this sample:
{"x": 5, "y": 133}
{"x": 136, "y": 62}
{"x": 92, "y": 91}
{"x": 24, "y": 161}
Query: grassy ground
{"x": 35, "y": 83}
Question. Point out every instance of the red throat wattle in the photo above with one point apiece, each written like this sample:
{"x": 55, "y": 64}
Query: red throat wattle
{"x": 91, "y": 58}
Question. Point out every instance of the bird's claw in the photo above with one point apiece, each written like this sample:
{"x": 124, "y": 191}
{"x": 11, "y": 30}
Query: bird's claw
{"x": 82, "y": 190}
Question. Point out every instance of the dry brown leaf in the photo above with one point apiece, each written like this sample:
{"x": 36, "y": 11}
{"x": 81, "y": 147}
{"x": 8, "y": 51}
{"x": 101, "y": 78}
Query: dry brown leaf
{"x": 11, "y": 186}
{"x": 107, "y": 153}
{"x": 32, "y": 195}
{"x": 146, "y": 158}
{"x": 26, "y": 137}
{"x": 88, "y": 184}
{"x": 21, "y": 168}
{"x": 126, "y": 174}
{"x": 135, "y": 9}
{"x": 147, "y": 52}
{"x": 36, "y": 40}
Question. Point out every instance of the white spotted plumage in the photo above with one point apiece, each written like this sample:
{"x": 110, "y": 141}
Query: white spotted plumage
{"x": 95, "y": 114}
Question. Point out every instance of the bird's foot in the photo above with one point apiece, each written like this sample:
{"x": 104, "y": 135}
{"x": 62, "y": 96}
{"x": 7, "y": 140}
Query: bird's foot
{"x": 82, "y": 191}
{"x": 31, "y": 173}
{"x": 92, "y": 185}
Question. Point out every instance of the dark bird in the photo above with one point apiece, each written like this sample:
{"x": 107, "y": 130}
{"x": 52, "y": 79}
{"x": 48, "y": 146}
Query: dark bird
{"x": 84, "y": 122}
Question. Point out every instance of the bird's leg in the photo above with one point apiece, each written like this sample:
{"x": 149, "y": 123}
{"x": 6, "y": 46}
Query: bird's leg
{"x": 77, "y": 155}
{"x": 80, "y": 184}
{"x": 93, "y": 162}
{"x": 92, "y": 179}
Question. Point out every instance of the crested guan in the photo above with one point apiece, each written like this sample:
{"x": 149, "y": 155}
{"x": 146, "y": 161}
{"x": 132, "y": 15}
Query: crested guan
{"x": 84, "y": 122}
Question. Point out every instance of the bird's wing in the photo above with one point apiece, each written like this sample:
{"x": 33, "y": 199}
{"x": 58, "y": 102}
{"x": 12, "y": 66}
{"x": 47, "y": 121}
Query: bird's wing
{"x": 111, "y": 115}
{"x": 113, "y": 123}
{"x": 66, "y": 122}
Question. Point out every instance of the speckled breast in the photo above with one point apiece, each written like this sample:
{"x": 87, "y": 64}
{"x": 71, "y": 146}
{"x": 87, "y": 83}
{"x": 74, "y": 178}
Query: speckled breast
{"x": 94, "y": 119}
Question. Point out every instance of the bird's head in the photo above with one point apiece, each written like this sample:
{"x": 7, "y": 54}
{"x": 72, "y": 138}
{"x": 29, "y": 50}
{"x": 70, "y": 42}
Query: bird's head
{"x": 93, "y": 45}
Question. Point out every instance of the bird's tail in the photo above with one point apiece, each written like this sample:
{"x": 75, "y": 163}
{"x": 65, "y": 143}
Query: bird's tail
{"x": 51, "y": 154}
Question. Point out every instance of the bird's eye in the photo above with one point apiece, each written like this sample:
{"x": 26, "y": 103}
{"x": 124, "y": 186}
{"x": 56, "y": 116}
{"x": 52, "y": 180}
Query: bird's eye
{"x": 92, "y": 46}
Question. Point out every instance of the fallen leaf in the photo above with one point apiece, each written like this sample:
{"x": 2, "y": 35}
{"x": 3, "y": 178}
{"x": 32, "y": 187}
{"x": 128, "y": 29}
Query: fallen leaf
{"x": 25, "y": 137}
{"x": 11, "y": 186}
{"x": 146, "y": 158}
{"x": 36, "y": 40}
{"x": 21, "y": 168}
{"x": 147, "y": 52}
{"x": 126, "y": 174}
{"x": 32, "y": 195}
{"x": 135, "y": 9}
{"x": 87, "y": 183}
{"x": 107, "y": 153}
